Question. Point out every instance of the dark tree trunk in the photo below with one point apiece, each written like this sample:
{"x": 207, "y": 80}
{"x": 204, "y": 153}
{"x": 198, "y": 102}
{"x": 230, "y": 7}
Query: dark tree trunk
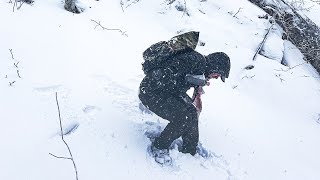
{"x": 301, "y": 31}
{"x": 70, "y": 5}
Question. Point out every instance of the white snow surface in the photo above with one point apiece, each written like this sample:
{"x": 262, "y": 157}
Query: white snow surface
{"x": 261, "y": 124}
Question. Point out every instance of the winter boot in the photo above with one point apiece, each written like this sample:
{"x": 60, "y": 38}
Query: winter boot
{"x": 161, "y": 156}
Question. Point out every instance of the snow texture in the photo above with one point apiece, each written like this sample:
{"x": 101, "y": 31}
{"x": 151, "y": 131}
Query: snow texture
{"x": 261, "y": 124}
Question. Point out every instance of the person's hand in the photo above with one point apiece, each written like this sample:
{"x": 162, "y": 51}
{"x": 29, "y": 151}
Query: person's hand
{"x": 207, "y": 83}
{"x": 200, "y": 90}
{"x": 198, "y": 103}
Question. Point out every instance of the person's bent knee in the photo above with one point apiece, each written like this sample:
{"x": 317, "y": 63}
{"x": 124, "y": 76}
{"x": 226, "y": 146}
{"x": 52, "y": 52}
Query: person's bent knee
{"x": 192, "y": 116}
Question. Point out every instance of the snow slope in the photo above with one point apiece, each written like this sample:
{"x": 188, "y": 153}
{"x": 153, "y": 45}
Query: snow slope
{"x": 261, "y": 124}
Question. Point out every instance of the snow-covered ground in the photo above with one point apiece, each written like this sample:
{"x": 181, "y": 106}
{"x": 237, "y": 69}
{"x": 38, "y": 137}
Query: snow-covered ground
{"x": 261, "y": 124}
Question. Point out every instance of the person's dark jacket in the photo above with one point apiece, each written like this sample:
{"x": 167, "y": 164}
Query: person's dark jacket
{"x": 175, "y": 78}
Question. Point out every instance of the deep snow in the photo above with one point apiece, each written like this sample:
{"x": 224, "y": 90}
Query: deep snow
{"x": 261, "y": 124}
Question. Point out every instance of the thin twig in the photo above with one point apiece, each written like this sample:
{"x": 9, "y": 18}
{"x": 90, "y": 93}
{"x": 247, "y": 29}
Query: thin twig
{"x": 14, "y": 5}
{"x": 311, "y": 76}
{"x": 11, "y": 83}
{"x": 292, "y": 67}
{"x": 201, "y": 11}
{"x": 298, "y": 65}
{"x": 11, "y": 53}
{"x": 18, "y": 74}
{"x": 279, "y": 76}
{"x": 62, "y": 137}
{"x": 134, "y": 2}
{"x": 21, "y": 3}
{"x": 16, "y": 64}
{"x": 98, "y": 24}
{"x": 59, "y": 157}
{"x": 249, "y": 77}
{"x": 237, "y": 12}
{"x": 121, "y": 4}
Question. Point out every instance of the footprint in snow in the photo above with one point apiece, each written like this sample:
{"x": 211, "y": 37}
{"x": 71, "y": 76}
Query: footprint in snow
{"x": 69, "y": 129}
{"x": 49, "y": 89}
{"x": 91, "y": 109}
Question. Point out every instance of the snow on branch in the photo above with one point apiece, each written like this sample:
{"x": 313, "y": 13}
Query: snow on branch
{"x": 263, "y": 41}
{"x": 62, "y": 137}
{"x": 98, "y": 24}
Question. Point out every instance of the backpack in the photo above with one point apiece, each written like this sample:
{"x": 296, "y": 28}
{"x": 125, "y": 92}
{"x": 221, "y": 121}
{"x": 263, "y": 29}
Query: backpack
{"x": 157, "y": 55}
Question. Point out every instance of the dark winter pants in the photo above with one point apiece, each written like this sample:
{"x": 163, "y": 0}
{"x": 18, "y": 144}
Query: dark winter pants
{"x": 182, "y": 117}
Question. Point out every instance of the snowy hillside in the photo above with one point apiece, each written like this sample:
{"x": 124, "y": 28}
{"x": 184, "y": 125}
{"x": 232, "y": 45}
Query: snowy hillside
{"x": 262, "y": 124}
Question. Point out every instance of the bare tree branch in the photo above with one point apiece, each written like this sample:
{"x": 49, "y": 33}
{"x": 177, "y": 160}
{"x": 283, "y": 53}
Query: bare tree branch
{"x": 262, "y": 43}
{"x": 62, "y": 137}
{"x": 290, "y": 68}
{"x": 21, "y": 3}
{"x": 237, "y": 12}
{"x": 248, "y": 77}
{"x": 18, "y": 74}
{"x": 11, "y": 53}
{"x": 279, "y": 76}
{"x": 16, "y": 64}
{"x": 98, "y": 24}
{"x": 11, "y": 83}
{"x": 14, "y": 5}
{"x": 311, "y": 76}
{"x": 133, "y": 2}
{"x": 121, "y": 4}
{"x": 59, "y": 157}
{"x": 201, "y": 11}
